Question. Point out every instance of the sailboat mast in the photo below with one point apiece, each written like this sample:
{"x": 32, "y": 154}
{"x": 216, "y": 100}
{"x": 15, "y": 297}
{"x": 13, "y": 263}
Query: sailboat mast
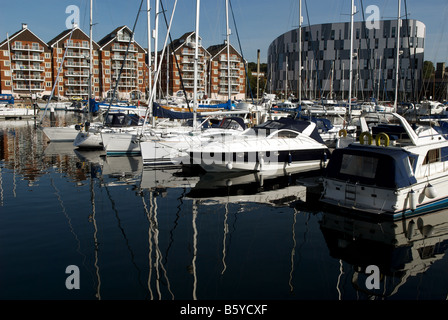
{"x": 300, "y": 52}
{"x": 91, "y": 58}
{"x": 148, "y": 14}
{"x": 352, "y": 14}
{"x": 196, "y": 55}
{"x": 156, "y": 35}
{"x": 229, "y": 86}
{"x": 398, "y": 55}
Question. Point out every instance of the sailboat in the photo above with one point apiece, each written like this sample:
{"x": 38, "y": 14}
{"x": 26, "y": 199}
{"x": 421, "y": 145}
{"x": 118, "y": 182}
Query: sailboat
{"x": 69, "y": 133}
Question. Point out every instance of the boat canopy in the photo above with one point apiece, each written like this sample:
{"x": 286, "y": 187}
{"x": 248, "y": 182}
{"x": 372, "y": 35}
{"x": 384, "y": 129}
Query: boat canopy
{"x": 291, "y": 124}
{"x": 381, "y": 167}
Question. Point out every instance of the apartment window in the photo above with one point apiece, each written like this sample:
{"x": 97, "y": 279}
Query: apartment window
{"x": 7, "y": 73}
{"x": 107, "y": 71}
{"x": 357, "y": 33}
{"x": 48, "y": 84}
{"x": 6, "y": 53}
{"x": 393, "y": 32}
{"x": 106, "y": 53}
{"x": 47, "y": 55}
{"x": 332, "y": 35}
{"x": 47, "y": 65}
{"x": 7, "y": 64}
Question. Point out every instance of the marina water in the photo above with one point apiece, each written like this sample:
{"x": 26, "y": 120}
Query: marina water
{"x": 172, "y": 234}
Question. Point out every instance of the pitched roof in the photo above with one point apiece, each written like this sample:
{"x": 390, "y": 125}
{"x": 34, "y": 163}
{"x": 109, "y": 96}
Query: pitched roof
{"x": 77, "y": 34}
{"x": 218, "y": 48}
{"x": 21, "y": 33}
{"x": 107, "y": 39}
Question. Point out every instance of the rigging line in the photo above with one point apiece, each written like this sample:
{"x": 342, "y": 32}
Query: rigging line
{"x": 241, "y": 49}
{"x": 114, "y": 208}
{"x": 175, "y": 59}
{"x": 131, "y": 38}
{"x": 57, "y": 78}
{"x": 151, "y": 98}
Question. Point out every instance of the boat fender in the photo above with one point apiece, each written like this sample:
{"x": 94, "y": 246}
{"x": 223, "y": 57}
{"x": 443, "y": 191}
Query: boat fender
{"x": 261, "y": 163}
{"x": 382, "y": 136}
{"x": 343, "y": 133}
{"x": 289, "y": 158}
{"x": 78, "y": 127}
{"x": 363, "y": 135}
{"x": 229, "y": 165}
{"x": 412, "y": 199}
{"x": 430, "y": 191}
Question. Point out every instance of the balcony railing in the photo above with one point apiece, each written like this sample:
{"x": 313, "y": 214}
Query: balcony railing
{"x": 27, "y": 67}
{"x": 27, "y": 57}
{"x": 28, "y": 78}
{"x": 76, "y": 74}
{"x": 27, "y": 48}
{"x": 27, "y": 87}
{"x": 76, "y": 64}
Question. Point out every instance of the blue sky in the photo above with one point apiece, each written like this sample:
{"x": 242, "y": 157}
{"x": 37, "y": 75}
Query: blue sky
{"x": 258, "y": 22}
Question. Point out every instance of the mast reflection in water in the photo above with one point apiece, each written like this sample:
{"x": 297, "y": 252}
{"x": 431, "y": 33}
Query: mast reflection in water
{"x": 169, "y": 234}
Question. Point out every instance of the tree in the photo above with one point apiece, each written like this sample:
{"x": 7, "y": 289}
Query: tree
{"x": 428, "y": 69}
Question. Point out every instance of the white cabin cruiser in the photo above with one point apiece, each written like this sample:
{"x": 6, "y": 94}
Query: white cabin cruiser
{"x": 396, "y": 171}
{"x": 284, "y": 144}
{"x": 173, "y": 150}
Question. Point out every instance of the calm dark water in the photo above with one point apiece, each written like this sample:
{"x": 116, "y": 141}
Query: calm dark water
{"x": 174, "y": 235}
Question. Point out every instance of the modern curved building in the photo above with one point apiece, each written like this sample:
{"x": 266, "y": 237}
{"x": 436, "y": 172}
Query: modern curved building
{"x": 326, "y": 61}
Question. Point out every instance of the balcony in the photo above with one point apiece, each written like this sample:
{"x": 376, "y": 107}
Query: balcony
{"x": 27, "y": 57}
{"x": 77, "y": 83}
{"x": 117, "y": 47}
{"x": 28, "y": 87}
{"x": 126, "y": 66}
{"x": 122, "y": 38}
{"x": 28, "y": 78}
{"x": 27, "y": 67}
{"x": 69, "y": 64}
{"x": 76, "y": 45}
{"x": 118, "y": 57}
{"x": 27, "y": 48}
{"x": 76, "y": 74}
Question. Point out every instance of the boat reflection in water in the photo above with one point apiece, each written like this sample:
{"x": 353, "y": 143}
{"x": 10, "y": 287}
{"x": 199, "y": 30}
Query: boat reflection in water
{"x": 402, "y": 250}
{"x": 275, "y": 188}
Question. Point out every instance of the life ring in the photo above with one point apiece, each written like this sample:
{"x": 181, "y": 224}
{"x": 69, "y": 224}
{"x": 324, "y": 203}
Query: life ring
{"x": 343, "y": 133}
{"x": 382, "y": 136}
{"x": 365, "y": 134}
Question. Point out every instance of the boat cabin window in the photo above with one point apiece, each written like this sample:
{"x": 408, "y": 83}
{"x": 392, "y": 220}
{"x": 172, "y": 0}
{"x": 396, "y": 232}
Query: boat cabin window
{"x": 432, "y": 156}
{"x": 286, "y": 134}
{"x": 360, "y": 166}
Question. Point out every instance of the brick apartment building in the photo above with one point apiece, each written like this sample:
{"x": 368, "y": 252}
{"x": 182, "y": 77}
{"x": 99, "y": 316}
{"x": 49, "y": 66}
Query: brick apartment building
{"x": 212, "y": 70}
{"x": 73, "y": 79}
{"x": 25, "y": 64}
{"x": 134, "y": 76}
{"x": 28, "y": 66}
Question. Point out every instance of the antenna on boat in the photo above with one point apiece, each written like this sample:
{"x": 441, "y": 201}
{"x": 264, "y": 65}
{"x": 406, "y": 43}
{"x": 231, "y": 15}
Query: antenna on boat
{"x": 398, "y": 55}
